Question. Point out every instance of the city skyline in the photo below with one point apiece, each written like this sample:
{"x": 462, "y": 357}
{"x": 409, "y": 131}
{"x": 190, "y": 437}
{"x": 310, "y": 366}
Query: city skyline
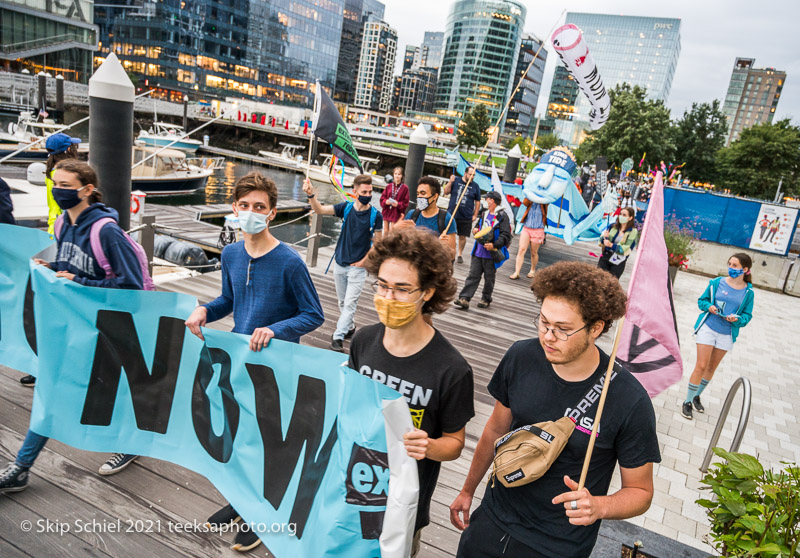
{"x": 711, "y": 40}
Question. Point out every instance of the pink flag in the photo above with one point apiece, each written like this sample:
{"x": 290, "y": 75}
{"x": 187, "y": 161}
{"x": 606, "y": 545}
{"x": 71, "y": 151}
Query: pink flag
{"x": 649, "y": 345}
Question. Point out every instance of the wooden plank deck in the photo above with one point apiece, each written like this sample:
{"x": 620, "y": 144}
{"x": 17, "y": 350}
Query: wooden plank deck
{"x": 65, "y": 487}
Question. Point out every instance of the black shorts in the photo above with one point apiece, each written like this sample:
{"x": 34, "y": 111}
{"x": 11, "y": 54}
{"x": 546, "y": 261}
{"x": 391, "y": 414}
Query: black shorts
{"x": 464, "y": 227}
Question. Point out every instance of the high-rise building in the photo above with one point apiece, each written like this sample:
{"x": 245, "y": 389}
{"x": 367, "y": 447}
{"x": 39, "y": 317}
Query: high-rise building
{"x": 431, "y": 50}
{"x": 637, "y": 50}
{"x": 520, "y": 118}
{"x": 417, "y": 90}
{"x": 410, "y": 57}
{"x": 54, "y": 37}
{"x": 271, "y": 50}
{"x": 356, "y": 13}
{"x": 481, "y": 46}
{"x": 375, "y": 65}
{"x": 752, "y": 97}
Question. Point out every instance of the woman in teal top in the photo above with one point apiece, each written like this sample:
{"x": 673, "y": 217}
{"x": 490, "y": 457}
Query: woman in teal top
{"x": 726, "y": 307}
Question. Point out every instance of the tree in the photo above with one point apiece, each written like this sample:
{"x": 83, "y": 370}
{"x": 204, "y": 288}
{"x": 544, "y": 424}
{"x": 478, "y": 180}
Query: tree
{"x": 635, "y": 125}
{"x": 474, "y": 128}
{"x": 699, "y": 135}
{"x": 755, "y": 163}
{"x": 523, "y": 142}
{"x": 546, "y": 142}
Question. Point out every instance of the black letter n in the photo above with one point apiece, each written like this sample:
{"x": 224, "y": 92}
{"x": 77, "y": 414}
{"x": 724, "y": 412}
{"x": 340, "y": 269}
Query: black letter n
{"x": 117, "y": 348}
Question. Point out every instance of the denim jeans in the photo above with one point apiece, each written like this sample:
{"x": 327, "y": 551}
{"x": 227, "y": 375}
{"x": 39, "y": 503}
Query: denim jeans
{"x": 349, "y": 283}
{"x": 30, "y": 449}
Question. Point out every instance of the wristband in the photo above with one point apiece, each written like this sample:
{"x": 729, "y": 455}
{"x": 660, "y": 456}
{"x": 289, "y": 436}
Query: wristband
{"x": 311, "y": 197}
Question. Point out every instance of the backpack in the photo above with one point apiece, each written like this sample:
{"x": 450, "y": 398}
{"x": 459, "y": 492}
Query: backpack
{"x": 100, "y": 256}
{"x": 442, "y": 218}
{"x": 373, "y": 215}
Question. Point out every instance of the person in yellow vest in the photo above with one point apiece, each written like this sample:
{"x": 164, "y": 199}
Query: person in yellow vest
{"x": 59, "y": 147}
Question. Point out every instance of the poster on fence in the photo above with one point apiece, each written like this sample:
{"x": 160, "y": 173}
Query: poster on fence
{"x": 774, "y": 229}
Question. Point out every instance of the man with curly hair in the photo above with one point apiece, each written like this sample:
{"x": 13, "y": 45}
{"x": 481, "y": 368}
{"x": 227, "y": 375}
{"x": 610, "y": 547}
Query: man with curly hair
{"x": 414, "y": 273}
{"x": 561, "y": 373}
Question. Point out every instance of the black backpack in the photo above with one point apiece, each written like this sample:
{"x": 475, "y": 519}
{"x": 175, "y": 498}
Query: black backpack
{"x": 442, "y": 218}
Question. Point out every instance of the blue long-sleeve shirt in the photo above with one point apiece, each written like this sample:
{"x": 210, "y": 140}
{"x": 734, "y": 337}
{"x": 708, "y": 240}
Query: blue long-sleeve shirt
{"x": 274, "y": 291}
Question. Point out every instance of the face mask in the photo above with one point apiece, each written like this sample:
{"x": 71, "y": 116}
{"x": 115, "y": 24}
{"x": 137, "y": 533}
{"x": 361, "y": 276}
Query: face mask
{"x": 66, "y": 198}
{"x": 423, "y": 203}
{"x": 734, "y": 273}
{"x": 394, "y": 313}
{"x": 252, "y": 223}
{"x": 364, "y": 200}
{"x": 623, "y": 220}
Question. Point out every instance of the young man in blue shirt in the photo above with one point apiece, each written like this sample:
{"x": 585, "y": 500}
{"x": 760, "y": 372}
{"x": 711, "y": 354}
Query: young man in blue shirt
{"x": 467, "y": 211}
{"x": 360, "y": 224}
{"x": 428, "y": 216}
{"x": 267, "y": 287}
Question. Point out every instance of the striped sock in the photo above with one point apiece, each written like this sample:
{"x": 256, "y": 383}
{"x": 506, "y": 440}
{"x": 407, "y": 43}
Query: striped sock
{"x": 692, "y": 392}
{"x": 703, "y": 384}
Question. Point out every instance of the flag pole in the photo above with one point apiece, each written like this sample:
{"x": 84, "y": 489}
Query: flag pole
{"x": 311, "y": 139}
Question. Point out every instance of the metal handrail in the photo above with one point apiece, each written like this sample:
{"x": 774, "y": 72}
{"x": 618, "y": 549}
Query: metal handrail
{"x": 743, "y": 418}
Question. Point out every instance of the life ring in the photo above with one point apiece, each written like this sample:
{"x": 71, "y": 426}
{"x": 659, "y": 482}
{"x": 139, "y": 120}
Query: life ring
{"x": 135, "y": 204}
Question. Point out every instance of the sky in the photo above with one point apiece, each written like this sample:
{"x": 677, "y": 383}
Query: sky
{"x": 713, "y": 34}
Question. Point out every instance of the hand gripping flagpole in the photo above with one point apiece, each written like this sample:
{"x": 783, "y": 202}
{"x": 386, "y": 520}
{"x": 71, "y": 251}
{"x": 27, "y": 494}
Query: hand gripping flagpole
{"x": 500, "y": 118}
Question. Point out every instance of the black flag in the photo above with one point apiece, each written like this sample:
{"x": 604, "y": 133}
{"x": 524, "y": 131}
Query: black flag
{"x": 329, "y": 126}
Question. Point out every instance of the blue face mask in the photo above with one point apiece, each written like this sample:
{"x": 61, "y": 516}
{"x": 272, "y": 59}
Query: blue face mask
{"x": 252, "y": 223}
{"x": 734, "y": 273}
{"x": 66, "y": 198}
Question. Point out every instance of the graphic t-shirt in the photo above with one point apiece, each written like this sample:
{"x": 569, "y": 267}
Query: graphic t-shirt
{"x": 437, "y": 384}
{"x": 467, "y": 208}
{"x": 727, "y": 300}
{"x": 355, "y": 239}
{"x": 526, "y": 383}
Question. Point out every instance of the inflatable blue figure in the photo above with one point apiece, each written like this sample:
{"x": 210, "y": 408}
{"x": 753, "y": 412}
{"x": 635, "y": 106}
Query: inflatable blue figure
{"x": 551, "y": 182}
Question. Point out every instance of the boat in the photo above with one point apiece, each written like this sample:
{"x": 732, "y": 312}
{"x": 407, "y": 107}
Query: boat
{"x": 27, "y": 130}
{"x": 169, "y": 171}
{"x": 321, "y": 173}
{"x": 163, "y": 134}
{"x": 287, "y": 158}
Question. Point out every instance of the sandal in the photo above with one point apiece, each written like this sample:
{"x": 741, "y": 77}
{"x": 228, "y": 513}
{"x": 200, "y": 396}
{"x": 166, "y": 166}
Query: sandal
{"x": 514, "y": 276}
{"x": 530, "y": 275}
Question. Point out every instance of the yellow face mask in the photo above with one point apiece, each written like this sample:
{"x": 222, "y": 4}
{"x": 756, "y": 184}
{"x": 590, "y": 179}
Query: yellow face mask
{"x": 395, "y": 313}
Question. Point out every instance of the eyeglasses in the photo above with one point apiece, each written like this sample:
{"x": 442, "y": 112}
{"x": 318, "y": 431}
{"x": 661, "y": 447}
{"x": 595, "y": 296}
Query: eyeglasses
{"x": 558, "y": 333}
{"x": 399, "y": 293}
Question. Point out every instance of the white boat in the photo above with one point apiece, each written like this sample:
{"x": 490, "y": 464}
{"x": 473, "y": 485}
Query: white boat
{"x": 169, "y": 171}
{"x": 163, "y": 134}
{"x": 287, "y": 158}
{"x": 27, "y": 130}
{"x": 321, "y": 173}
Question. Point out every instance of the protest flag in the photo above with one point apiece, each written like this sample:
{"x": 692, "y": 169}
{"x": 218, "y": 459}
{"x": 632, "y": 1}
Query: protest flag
{"x": 329, "y": 126}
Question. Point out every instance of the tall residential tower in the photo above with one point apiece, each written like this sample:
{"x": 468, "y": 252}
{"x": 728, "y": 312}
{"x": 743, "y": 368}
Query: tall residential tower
{"x": 374, "y": 83}
{"x": 752, "y": 97}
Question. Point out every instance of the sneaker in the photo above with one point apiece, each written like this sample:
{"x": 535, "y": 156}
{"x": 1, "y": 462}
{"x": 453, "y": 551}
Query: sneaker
{"x": 116, "y": 463}
{"x": 686, "y": 410}
{"x": 460, "y": 259}
{"x": 28, "y": 381}
{"x": 337, "y": 345}
{"x": 484, "y": 304}
{"x": 225, "y": 516}
{"x": 462, "y": 303}
{"x": 245, "y": 540}
{"x": 350, "y": 333}
{"x": 697, "y": 405}
{"x": 13, "y": 478}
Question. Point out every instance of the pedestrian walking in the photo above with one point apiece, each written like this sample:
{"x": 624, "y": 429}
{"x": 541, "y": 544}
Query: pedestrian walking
{"x": 59, "y": 147}
{"x": 464, "y": 208}
{"x": 534, "y": 220}
{"x": 618, "y": 242}
{"x": 394, "y": 200}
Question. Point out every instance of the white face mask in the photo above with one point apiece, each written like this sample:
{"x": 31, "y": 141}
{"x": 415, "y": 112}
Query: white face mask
{"x": 623, "y": 219}
{"x": 422, "y": 204}
{"x": 252, "y": 223}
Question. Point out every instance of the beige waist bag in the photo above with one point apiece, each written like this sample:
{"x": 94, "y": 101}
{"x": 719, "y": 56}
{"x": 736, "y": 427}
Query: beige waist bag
{"x": 525, "y": 454}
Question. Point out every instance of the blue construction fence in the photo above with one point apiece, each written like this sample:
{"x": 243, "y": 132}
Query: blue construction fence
{"x": 714, "y": 217}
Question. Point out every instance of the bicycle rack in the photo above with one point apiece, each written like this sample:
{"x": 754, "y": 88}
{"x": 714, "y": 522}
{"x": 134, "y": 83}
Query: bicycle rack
{"x": 743, "y": 418}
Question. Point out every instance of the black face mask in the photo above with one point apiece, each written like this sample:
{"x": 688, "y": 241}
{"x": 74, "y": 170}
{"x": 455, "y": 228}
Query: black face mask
{"x": 364, "y": 200}
{"x": 66, "y": 198}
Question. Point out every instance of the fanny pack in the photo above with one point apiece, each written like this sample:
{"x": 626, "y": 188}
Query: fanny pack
{"x": 525, "y": 454}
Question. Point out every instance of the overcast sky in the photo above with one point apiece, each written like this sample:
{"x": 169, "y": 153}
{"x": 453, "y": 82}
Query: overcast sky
{"x": 713, "y": 34}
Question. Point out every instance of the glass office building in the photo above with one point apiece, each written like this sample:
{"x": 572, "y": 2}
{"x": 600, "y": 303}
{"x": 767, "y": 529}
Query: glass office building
{"x": 356, "y": 14}
{"x": 55, "y": 37}
{"x": 752, "y": 96}
{"x": 271, "y": 50}
{"x": 640, "y": 51}
{"x": 481, "y": 46}
{"x": 520, "y": 119}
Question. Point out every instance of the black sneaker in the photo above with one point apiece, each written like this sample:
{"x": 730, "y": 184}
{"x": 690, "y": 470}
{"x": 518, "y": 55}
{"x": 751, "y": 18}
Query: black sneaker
{"x": 225, "y": 516}
{"x": 245, "y": 539}
{"x": 28, "y": 381}
{"x": 462, "y": 303}
{"x": 686, "y": 410}
{"x": 337, "y": 345}
{"x": 697, "y": 405}
{"x": 13, "y": 478}
{"x": 116, "y": 463}
{"x": 483, "y": 304}
{"x": 460, "y": 259}
{"x": 350, "y": 333}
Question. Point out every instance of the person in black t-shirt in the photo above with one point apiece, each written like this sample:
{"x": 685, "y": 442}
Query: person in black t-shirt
{"x": 561, "y": 374}
{"x": 467, "y": 211}
{"x": 415, "y": 275}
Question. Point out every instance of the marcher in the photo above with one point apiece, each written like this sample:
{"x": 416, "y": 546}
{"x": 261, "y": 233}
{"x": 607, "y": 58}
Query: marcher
{"x": 360, "y": 224}
{"x": 59, "y": 147}
{"x": 532, "y": 235}
{"x": 269, "y": 290}
{"x": 429, "y": 216}
{"x": 6, "y": 204}
{"x": 560, "y": 374}
{"x": 414, "y": 276}
{"x": 76, "y": 191}
{"x": 617, "y": 243}
{"x": 467, "y": 211}
{"x": 488, "y": 253}
{"x": 726, "y": 306}
{"x": 394, "y": 200}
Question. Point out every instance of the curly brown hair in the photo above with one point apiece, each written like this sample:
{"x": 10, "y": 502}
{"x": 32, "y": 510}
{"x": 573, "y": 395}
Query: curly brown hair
{"x": 425, "y": 253}
{"x": 256, "y": 182}
{"x": 597, "y": 294}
